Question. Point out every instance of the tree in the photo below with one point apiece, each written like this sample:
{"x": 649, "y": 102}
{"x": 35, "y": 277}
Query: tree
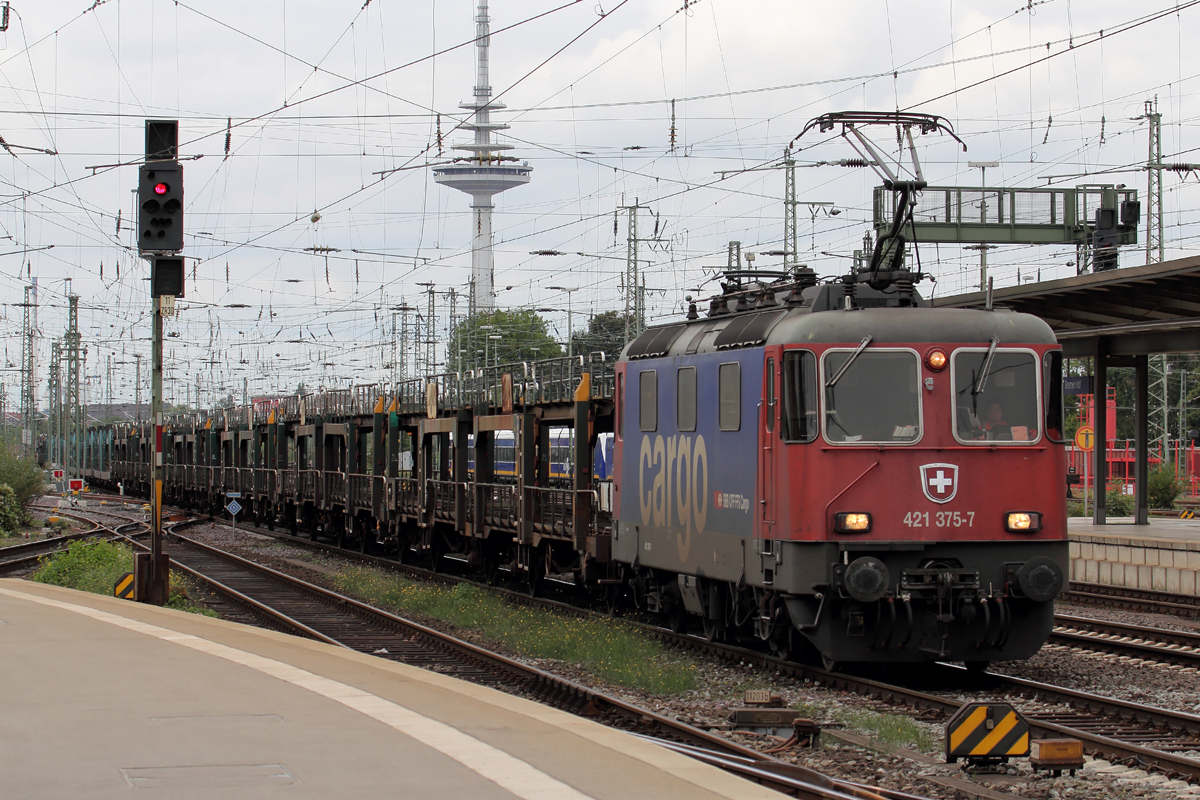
{"x": 605, "y": 333}
{"x": 22, "y": 475}
{"x": 523, "y": 336}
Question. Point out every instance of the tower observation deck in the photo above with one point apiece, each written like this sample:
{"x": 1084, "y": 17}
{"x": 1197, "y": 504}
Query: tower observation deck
{"x": 486, "y": 171}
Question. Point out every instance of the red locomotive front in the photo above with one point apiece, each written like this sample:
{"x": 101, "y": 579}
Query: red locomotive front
{"x": 911, "y": 483}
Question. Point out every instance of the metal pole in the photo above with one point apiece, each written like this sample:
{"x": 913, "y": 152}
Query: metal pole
{"x": 157, "y": 580}
{"x": 1087, "y": 460}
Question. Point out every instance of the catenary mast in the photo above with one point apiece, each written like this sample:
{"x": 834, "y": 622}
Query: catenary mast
{"x": 485, "y": 172}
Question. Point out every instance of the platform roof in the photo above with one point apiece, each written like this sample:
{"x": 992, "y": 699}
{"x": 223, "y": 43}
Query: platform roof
{"x": 1136, "y": 310}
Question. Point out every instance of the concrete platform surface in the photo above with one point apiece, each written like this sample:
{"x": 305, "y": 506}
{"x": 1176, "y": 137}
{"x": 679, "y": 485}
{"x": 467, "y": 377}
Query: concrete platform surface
{"x": 104, "y": 698}
{"x": 1185, "y": 532}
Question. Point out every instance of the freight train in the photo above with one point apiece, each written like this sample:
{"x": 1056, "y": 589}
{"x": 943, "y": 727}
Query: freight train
{"x": 829, "y": 468}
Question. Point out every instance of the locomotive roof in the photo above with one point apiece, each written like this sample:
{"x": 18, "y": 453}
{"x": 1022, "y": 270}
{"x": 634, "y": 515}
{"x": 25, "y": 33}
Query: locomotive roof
{"x": 800, "y": 325}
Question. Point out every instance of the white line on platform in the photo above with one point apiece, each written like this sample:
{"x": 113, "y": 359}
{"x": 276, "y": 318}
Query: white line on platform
{"x": 505, "y": 770}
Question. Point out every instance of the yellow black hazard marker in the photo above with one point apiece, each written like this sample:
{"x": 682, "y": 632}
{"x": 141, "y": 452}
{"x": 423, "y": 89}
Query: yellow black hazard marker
{"x": 986, "y": 732}
{"x": 1187, "y": 514}
{"x": 123, "y": 588}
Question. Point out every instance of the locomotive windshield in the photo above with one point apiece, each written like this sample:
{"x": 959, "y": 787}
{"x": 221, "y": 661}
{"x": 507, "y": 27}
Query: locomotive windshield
{"x": 997, "y": 401}
{"x": 875, "y": 400}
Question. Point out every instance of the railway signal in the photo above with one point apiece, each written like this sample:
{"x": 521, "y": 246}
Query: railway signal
{"x": 160, "y": 233}
{"x": 160, "y": 207}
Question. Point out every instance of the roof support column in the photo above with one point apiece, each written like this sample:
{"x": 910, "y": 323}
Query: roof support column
{"x": 1141, "y": 414}
{"x": 1100, "y": 424}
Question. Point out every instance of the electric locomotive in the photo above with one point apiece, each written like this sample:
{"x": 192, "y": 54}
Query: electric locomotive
{"x": 882, "y": 481}
{"x": 838, "y": 466}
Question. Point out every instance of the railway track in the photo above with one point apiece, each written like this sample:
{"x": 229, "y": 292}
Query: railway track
{"x": 1146, "y": 600}
{"x": 20, "y": 557}
{"x": 1117, "y": 730}
{"x": 285, "y": 603}
{"x": 1136, "y": 641}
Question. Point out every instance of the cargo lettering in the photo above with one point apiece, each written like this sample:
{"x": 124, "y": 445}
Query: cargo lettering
{"x": 673, "y": 484}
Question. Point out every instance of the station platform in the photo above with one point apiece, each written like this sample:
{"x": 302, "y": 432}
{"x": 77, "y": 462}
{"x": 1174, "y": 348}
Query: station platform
{"x": 1163, "y": 556}
{"x": 102, "y": 697}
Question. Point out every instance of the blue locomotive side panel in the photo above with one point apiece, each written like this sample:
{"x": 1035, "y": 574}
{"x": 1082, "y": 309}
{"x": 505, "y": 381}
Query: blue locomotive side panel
{"x": 689, "y": 448}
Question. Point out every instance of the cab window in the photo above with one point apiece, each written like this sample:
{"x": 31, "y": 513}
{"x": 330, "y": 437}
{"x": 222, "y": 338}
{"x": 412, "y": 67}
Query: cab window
{"x": 872, "y": 397}
{"x": 996, "y": 396}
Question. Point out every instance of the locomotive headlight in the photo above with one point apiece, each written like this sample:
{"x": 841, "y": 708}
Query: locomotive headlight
{"x": 936, "y": 359}
{"x": 1023, "y": 522}
{"x": 852, "y": 522}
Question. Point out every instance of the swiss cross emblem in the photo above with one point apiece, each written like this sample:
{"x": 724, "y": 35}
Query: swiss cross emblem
{"x": 939, "y": 481}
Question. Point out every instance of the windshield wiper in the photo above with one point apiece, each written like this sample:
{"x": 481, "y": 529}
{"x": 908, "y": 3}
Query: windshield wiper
{"x": 987, "y": 366}
{"x": 838, "y": 376}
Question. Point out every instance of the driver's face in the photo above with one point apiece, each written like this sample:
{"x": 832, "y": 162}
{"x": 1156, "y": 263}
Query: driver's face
{"x": 995, "y": 413}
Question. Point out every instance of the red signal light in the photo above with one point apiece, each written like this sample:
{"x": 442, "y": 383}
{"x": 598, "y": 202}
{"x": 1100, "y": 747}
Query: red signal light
{"x": 161, "y": 188}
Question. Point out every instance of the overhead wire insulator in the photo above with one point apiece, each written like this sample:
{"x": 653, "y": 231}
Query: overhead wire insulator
{"x": 852, "y": 162}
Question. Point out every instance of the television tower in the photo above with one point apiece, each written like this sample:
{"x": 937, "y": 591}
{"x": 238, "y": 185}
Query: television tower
{"x": 485, "y": 172}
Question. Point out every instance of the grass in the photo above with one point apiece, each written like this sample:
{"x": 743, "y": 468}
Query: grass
{"x": 608, "y": 649}
{"x": 891, "y": 730}
{"x": 807, "y": 710}
{"x": 95, "y": 566}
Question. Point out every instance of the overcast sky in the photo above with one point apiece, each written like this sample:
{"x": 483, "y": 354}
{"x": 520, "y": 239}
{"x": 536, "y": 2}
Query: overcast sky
{"x": 316, "y": 100}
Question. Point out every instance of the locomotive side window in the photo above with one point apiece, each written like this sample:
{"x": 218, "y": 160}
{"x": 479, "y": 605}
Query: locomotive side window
{"x": 799, "y": 396}
{"x": 875, "y": 399}
{"x": 685, "y": 394}
{"x": 1052, "y": 386}
{"x": 996, "y": 396}
{"x": 620, "y": 424}
{"x": 729, "y": 390}
{"x": 770, "y": 394}
{"x": 648, "y": 400}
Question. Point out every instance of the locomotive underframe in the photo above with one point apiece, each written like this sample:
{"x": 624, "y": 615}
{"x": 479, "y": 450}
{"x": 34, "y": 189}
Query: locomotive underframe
{"x": 957, "y": 601}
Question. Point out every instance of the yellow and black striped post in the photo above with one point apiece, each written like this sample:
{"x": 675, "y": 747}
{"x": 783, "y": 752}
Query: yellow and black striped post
{"x": 986, "y": 732}
{"x": 123, "y": 588}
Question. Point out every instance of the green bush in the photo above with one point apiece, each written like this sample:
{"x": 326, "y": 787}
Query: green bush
{"x": 1117, "y": 503}
{"x": 11, "y": 513}
{"x": 23, "y": 475}
{"x": 95, "y": 566}
{"x": 1162, "y": 487}
{"x": 91, "y": 566}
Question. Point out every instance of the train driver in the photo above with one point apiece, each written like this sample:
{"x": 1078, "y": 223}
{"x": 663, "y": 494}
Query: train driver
{"x": 994, "y": 427}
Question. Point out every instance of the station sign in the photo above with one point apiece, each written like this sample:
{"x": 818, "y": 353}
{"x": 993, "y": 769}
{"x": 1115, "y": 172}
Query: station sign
{"x": 1077, "y": 384}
